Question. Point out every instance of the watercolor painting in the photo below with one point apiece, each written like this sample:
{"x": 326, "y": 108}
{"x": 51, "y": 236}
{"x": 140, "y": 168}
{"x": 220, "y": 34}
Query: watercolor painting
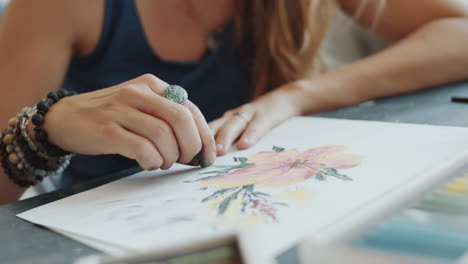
{"x": 271, "y": 197}
{"x": 236, "y": 186}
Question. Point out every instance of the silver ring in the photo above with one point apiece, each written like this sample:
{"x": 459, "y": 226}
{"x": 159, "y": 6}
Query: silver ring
{"x": 242, "y": 116}
{"x": 176, "y": 94}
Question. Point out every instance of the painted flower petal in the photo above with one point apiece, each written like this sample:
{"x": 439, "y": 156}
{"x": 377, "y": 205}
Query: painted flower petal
{"x": 274, "y": 158}
{"x": 313, "y": 152}
{"x": 338, "y": 160}
{"x": 279, "y": 169}
{"x": 289, "y": 176}
{"x": 250, "y": 175}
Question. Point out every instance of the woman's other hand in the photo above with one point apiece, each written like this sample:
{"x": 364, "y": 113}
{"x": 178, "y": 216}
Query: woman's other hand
{"x": 248, "y": 123}
{"x": 132, "y": 119}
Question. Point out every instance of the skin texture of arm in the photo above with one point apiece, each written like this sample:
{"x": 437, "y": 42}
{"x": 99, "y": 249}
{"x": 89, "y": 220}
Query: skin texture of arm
{"x": 28, "y": 72}
{"x": 430, "y": 39}
{"x": 133, "y": 119}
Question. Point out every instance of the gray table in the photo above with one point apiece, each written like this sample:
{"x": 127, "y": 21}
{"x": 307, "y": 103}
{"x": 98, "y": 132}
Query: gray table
{"x": 22, "y": 242}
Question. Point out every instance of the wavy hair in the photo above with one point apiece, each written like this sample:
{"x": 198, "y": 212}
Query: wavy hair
{"x": 280, "y": 39}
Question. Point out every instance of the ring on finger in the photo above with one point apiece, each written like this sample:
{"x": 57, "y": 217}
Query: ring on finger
{"x": 176, "y": 94}
{"x": 242, "y": 116}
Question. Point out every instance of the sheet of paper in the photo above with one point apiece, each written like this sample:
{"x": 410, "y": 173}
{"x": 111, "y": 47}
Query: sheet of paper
{"x": 109, "y": 249}
{"x": 302, "y": 178}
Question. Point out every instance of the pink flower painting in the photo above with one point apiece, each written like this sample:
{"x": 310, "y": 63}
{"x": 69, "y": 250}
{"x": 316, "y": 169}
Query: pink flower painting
{"x": 280, "y": 169}
{"x": 274, "y": 169}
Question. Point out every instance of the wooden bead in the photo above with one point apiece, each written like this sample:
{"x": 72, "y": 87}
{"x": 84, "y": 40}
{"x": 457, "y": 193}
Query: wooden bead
{"x": 13, "y": 158}
{"x": 13, "y": 122}
{"x": 10, "y": 148}
{"x": 8, "y": 139}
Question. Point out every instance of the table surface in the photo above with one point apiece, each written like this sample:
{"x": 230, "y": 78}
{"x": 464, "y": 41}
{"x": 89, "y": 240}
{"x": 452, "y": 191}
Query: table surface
{"x": 23, "y": 242}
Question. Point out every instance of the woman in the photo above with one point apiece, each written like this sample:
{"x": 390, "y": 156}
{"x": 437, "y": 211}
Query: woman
{"x": 247, "y": 59}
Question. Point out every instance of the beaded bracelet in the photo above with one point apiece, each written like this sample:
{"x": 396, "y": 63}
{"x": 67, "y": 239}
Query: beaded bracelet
{"x": 23, "y": 123}
{"x": 25, "y": 162}
{"x": 38, "y": 120}
{"x": 10, "y": 159}
{"x": 33, "y": 160}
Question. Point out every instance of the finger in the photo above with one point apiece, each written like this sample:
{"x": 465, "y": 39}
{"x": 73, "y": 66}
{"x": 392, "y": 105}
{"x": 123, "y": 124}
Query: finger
{"x": 208, "y": 154}
{"x": 144, "y": 82}
{"x": 156, "y": 130}
{"x": 181, "y": 121}
{"x": 256, "y": 129}
{"x": 184, "y": 126}
{"x": 177, "y": 116}
{"x": 154, "y": 83}
{"x": 217, "y": 124}
{"x": 231, "y": 130}
{"x": 208, "y": 142}
{"x": 132, "y": 146}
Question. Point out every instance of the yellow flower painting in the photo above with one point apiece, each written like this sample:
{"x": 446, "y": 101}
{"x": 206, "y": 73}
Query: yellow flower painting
{"x": 271, "y": 170}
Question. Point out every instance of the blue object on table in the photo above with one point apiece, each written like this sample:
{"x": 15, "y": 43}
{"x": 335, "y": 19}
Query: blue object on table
{"x": 412, "y": 238}
{"x": 436, "y": 226}
{"x": 3, "y": 4}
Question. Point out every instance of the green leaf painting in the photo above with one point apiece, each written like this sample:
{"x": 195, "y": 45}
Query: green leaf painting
{"x": 270, "y": 170}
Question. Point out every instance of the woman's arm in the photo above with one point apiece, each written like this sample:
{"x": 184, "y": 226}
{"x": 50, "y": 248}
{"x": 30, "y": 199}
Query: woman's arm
{"x": 133, "y": 119}
{"x": 430, "y": 49}
{"x": 35, "y": 49}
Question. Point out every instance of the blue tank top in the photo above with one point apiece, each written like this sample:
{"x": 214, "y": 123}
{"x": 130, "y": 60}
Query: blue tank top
{"x": 215, "y": 83}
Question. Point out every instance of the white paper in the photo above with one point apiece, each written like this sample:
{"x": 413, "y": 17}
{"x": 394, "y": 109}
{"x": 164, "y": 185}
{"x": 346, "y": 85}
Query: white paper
{"x": 160, "y": 208}
{"x": 110, "y": 249}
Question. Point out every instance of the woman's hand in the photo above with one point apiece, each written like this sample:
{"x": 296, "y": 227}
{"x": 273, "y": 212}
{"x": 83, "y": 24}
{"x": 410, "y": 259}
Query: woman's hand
{"x": 250, "y": 122}
{"x": 132, "y": 119}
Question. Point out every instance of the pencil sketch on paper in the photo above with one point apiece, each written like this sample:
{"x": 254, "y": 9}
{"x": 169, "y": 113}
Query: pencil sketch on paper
{"x": 236, "y": 186}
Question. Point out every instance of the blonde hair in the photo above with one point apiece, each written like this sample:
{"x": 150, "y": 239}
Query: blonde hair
{"x": 280, "y": 39}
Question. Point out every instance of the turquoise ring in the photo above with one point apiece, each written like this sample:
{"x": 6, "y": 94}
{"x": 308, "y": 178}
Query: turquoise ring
{"x": 176, "y": 94}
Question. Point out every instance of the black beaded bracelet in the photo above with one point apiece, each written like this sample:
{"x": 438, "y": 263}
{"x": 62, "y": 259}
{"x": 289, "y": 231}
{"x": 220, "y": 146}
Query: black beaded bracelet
{"x": 25, "y": 162}
{"x": 38, "y": 120}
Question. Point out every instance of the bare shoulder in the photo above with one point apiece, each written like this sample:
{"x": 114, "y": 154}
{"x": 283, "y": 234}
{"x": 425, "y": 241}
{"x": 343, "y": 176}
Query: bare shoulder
{"x": 58, "y": 20}
{"x": 37, "y": 41}
{"x": 401, "y": 17}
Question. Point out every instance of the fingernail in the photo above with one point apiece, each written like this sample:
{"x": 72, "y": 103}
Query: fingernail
{"x": 246, "y": 140}
{"x": 208, "y": 159}
{"x": 220, "y": 147}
